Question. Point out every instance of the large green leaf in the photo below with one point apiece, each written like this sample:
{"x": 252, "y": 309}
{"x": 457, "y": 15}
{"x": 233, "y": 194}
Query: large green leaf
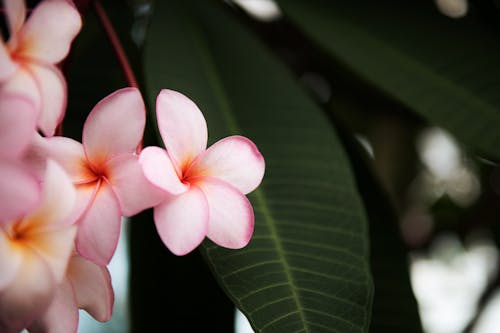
{"x": 446, "y": 70}
{"x": 306, "y": 268}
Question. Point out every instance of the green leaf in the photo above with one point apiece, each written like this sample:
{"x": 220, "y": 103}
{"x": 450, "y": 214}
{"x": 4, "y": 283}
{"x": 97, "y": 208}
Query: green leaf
{"x": 446, "y": 70}
{"x": 306, "y": 267}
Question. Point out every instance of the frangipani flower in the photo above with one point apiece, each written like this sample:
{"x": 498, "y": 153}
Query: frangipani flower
{"x": 19, "y": 189}
{"x": 34, "y": 253}
{"x": 106, "y": 172}
{"x": 205, "y": 188}
{"x": 86, "y": 286}
{"x": 27, "y": 60}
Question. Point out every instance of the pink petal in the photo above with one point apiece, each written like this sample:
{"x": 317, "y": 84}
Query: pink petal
{"x": 182, "y": 221}
{"x": 7, "y": 66}
{"x": 15, "y": 11}
{"x": 134, "y": 192}
{"x": 10, "y": 260}
{"x": 55, "y": 247}
{"x": 28, "y": 296}
{"x": 19, "y": 191}
{"x": 182, "y": 127}
{"x": 231, "y": 214}
{"x": 159, "y": 170}
{"x": 92, "y": 286}
{"x": 62, "y": 314}
{"x": 99, "y": 227}
{"x": 68, "y": 153}
{"x": 234, "y": 159}
{"x": 17, "y": 124}
{"x": 23, "y": 83}
{"x": 52, "y": 89}
{"x": 115, "y": 126}
{"x": 57, "y": 203}
{"x": 49, "y": 31}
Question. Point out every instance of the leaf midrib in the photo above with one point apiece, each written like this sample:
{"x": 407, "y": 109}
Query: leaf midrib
{"x": 211, "y": 72}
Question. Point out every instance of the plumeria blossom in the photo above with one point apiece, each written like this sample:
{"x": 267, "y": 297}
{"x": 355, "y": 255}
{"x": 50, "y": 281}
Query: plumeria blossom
{"x": 106, "y": 172}
{"x": 34, "y": 252}
{"x": 86, "y": 286}
{"x": 204, "y": 188}
{"x": 28, "y": 58}
{"x": 19, "y": 189}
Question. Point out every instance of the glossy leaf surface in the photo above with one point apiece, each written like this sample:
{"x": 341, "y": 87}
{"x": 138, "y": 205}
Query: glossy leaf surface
{"x": 306, "y": 268}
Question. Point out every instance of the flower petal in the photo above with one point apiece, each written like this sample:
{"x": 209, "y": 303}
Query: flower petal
{"x": 15, "y": 11}
{"x": 231, "y": 214}
{"x": 115, "y": 126}
{"x": 62, "y": 314}
{"x": 10, "y": 260}
{"x": 234, "y": 159}
{"x": 92, "y": 286}
{"x": 23, "y": 83}
{"x": 49, "y": 31}
{"x": 134, "y": 192}
{"x": 182, "y": 221}
{"x": 55, "y": 247}
{"x": 19, "y": 191}
{"x": 28, "y": 296}
{"x": 182, "y": 127}
{"x": 17, "y": 124}
{"x": 52, "y": 89}
{"x": 7, "y": 66}
{"x": 99, "y": 226}
{"x": 67, "y": 152}
{"x": 159, "y": 170}
{"x": 57, "y": 204}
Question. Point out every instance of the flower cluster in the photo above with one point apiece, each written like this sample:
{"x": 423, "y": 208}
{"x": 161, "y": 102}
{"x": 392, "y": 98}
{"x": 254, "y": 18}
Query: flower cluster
{"x": 62, "y": 201}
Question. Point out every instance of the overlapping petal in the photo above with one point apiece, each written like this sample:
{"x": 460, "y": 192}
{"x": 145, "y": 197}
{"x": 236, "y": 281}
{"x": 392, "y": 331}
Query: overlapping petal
{"x": 28, "y": 296}
{"x": 231, "y": 215}
{"x": 7, "y": 66}
{"x": 115, "y": 126}
{"x": 160, "y": 170}
{"x": 134, "y": 192}
{"x": 62, "y": 314}
{"x": 182, "y": 127}
{"x": 182, "y": 221}
{"x": 19, "y": 190}
{"x": 234, "y": 159}
{"x": 55, "y": 249}
{"x": 17, "y": 124}
{"x": 99, "y": 226}
{"x": 10, "y": 261}
{"x": 52, "y": 89}
{"x": 68, "y": 153}
{"x": 23, "y": 83}
{"x": 48, "y": 32}
{"x": 92, "y": 287}
{"x": 58, "y": 201}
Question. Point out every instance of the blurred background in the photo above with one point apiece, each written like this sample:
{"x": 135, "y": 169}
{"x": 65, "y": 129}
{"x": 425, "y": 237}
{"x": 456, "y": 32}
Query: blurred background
{"x": 447, "y": 198}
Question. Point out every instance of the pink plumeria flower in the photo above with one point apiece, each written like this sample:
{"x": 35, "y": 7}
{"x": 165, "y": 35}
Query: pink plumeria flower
{"x": 19, "y": 189}
{"x": 34, "y": 252}
{"x": 27, "y": 60}
{"x": 106, "y": 172}
{"x": 205, "y": 188}
{"x": 87, "y": 286}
